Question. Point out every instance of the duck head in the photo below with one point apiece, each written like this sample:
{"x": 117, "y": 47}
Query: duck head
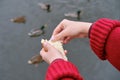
{"x": 48, "y": 7}
{"x": 78, "y": 14}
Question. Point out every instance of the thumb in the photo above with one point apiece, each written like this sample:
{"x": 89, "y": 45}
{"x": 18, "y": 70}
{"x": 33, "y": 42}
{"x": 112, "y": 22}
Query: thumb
{"x": 46, "y": 46}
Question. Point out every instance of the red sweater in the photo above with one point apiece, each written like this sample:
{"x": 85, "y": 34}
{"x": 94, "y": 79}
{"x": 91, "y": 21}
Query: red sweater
{"x": 104, "y": 37}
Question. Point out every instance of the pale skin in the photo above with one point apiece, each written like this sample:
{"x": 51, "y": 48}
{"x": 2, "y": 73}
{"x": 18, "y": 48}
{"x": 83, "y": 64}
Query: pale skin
{"x": 65, "y": 31}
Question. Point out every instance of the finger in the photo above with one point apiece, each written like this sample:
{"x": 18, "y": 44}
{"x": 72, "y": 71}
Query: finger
{"x": 61, "y": 35}
{"x": 65, "y": 51}
{"x": 66, "y": 40}
{"x": 44, "y": 46}
{"x": 47, "y": 46}
{"x": 58, "y": 29}
{"x": 42, "y": 52}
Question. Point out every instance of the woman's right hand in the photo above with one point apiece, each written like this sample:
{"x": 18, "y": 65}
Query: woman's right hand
{"x": 67, "y": 30}
{"x": 49, "y": 53}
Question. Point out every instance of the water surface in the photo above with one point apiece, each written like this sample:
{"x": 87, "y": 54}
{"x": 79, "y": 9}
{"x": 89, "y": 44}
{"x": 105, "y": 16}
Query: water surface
{"x": 16, "y": 47}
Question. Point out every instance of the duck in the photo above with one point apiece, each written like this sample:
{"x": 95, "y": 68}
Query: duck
{"x": 46, "y": 7}
{"x": 36, "y": 59}
{"x": 37, "y": 32}
{"x": 20, "y": 19}
{"x": 76, "y": 14}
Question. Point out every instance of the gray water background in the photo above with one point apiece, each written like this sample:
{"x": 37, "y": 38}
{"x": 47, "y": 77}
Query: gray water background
{"x": 16, "y": 47}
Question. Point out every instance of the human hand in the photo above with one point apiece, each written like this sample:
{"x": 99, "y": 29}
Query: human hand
{"x": 49, "y": 53}
{"x": 68, "y": 30}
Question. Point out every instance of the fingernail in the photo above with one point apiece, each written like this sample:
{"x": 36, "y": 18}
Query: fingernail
{"x": 45, "y": 46}
{"x": 52, "y": 38}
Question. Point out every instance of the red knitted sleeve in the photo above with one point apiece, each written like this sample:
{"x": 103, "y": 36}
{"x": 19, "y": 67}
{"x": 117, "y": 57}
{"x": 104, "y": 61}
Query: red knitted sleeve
{"x": 99, "y": 32}
{"x": 62, "y": 70}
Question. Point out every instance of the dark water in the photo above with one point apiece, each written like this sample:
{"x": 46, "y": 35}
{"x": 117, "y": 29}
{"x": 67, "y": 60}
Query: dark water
{"x": 16, "y": 47}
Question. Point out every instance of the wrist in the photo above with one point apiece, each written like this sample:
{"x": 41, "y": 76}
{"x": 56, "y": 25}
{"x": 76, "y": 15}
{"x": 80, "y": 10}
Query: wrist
{"x": 89, "y": 31}
{"x": 87, "y": 27}
{"x": 55, "y": 60}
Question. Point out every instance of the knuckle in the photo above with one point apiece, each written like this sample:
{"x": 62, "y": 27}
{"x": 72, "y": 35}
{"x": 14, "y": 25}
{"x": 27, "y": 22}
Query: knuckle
{"x": 64, "y": 20}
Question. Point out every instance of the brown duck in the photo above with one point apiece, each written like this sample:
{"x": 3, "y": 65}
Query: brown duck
{"x": 36, "y": 59}
{"x": 20, "y": 19}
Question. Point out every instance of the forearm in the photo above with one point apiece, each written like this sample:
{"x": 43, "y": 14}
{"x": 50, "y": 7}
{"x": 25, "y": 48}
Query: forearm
{"x": 104, "y": 40}
{"x": 85, "y": 27}
{"x": 99, "y": 33}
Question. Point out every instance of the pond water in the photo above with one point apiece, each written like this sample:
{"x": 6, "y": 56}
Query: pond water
{"x": 16, "y": 47}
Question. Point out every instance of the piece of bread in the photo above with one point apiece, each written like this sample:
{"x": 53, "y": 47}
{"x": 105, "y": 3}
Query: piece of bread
{"x": 58, "y": 45}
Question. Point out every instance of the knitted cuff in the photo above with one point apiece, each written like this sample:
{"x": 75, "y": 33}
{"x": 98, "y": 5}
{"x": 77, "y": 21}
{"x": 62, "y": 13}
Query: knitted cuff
{"x": 99, "y": 33}
{"x": 60, "y": 69}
